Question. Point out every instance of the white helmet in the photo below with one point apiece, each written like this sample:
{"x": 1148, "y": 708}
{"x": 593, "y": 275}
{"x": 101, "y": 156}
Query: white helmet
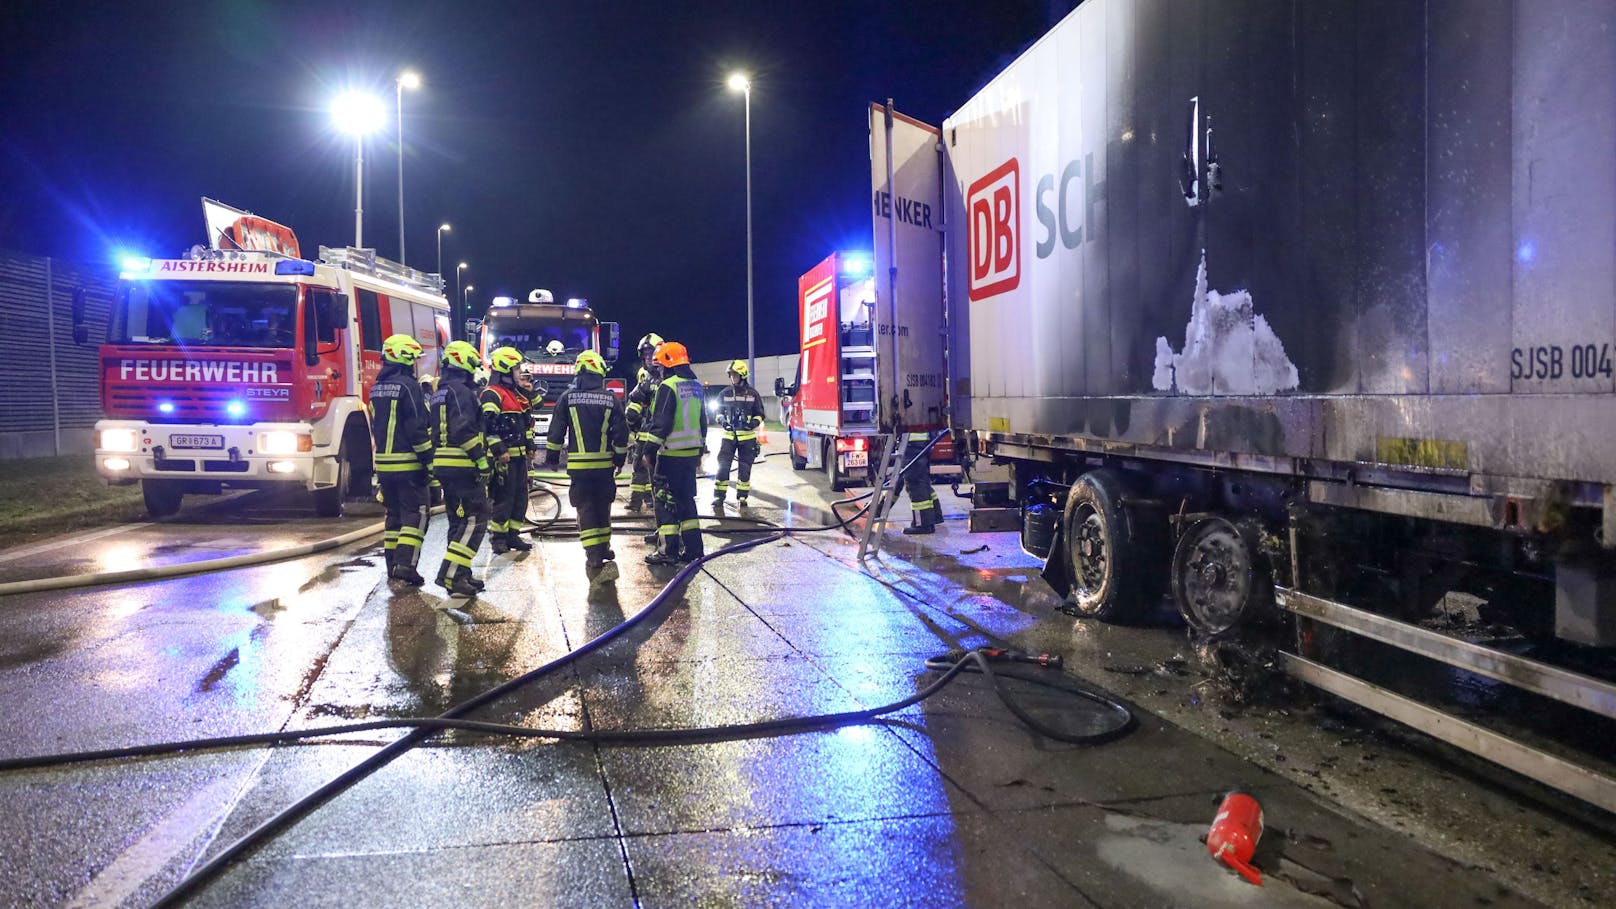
{"x": 554, "y": 348}
{"x": 540, "y": 295}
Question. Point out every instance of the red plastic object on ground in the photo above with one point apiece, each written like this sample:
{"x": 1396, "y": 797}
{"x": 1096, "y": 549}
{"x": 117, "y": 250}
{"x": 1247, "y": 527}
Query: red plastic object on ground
{"x": 1234, "y": 834}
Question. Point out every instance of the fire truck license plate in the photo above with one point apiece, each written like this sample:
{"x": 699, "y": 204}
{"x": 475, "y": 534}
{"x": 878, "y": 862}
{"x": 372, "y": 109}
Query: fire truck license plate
{"x": 196, "y": 441}
{"x": 858, "y": 459}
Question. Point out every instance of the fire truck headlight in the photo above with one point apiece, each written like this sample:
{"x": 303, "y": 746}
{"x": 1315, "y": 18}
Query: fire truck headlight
{"x": 116, "y": 463}
{"x": 280, "y": 442}
{"x": 712, "y": 406}
{"x": 119, "y": 440}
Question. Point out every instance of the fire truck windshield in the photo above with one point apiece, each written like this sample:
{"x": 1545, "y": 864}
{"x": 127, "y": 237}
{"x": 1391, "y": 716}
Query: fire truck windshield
{"x": 204, "y": 314}
{"x": 532, "y": 339}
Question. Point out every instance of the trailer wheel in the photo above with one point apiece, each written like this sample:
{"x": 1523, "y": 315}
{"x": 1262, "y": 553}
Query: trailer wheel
{"x": 328, "y": 501}
{"x": 162, "y": 497}
{"x": 1111, "y": 566}
{"x": 1221, "y": 582}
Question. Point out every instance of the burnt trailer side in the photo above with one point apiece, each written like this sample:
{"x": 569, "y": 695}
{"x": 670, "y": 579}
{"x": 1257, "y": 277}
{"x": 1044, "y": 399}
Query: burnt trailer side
{"x": 1320, "y": 295}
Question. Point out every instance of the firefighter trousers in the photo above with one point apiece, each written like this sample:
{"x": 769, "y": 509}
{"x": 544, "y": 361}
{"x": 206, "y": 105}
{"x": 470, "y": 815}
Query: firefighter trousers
{"x": 678, "y": 528}
{"x": 591, "y": 495}
{"x": 747, "y": 451}
{"x": 917, "y": 481}
{"x": 507, "y": 492}
{"x": 408, "y": 506}
{"x": 639, "y": 485}
{"x": 465, "y": 499}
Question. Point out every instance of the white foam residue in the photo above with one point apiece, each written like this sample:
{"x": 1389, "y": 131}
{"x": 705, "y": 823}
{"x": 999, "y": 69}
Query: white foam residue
{"x": 1229, "y": 349}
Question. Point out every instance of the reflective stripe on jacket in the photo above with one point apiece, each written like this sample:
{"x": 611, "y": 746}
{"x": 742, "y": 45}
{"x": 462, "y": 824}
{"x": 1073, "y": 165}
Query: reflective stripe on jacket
{"x": 398, "y": 421}
{"x": 457, "y": 423}
{"x": 740, "y": 412}
{"x": 588, "y": 424}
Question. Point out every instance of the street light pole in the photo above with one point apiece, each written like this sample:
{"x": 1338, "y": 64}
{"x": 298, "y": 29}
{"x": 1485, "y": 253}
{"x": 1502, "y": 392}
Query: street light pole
{"x": 405, "y": 80}
{"x": 441, "y": 229}
{"x": 458, "y": 328}
{"x": 741, "y": 83}
{"x": 359, "y": 114}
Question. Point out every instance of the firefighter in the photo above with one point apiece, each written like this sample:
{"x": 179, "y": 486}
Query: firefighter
{"x": 508, "y": 427}
{"x": 927, "y": 511}
{"x": 460, "y": 463}
{"x": 672, "y": 445}
{"x": 638, "y": 399}
{"x": 403, "y": 456}
{"x": 589, "y": 425}
{"x": 740, "y": 413}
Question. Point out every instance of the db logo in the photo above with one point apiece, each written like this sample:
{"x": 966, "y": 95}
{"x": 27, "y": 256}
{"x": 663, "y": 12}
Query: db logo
{"x": 994, "y": 207}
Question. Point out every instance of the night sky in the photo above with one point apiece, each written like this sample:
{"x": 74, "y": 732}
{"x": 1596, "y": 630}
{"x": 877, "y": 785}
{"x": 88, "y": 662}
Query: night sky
{"x": 590, "y": 148}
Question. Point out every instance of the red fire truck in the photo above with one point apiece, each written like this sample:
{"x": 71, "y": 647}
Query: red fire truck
{"x": 244, "y": 365}
{"x": 873, "y": 359}
{"x": 550, "y": 336}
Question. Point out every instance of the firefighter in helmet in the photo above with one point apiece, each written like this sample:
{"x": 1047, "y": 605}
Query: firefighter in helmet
{"x": 740, "y": 413}
{"x": 672, "y": 446}
{"x": 505, "y": 418}
{"x": 639, "y": 398}
{"x": 589, "y": 426}
{"x": 403, "y": 455}
{"x": 460, "y": 461}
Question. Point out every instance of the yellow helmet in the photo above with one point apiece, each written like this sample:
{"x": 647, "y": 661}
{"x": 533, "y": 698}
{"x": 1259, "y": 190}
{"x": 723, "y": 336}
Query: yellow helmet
{"x": 401, "y": 349}
{"x": 462, "y": 355}
{"x": 738, "y": 368}
{"x": 504, "y": 359}
{"x": 650, "y": 343}
{"x": 589, "y": 361}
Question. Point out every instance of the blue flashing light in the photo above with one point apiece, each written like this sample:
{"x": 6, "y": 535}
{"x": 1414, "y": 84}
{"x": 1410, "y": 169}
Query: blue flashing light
{"x": 855, "y": 265}
{"x": 294, "y": 267}
{"x": 577, "y": 303}
{"x": 235, "y": 408}
{"x": 504, "y": 301}
{"x": 139, "y": 264}
{"x": 165, "y": 407}
{"x": 1526, "y": 252}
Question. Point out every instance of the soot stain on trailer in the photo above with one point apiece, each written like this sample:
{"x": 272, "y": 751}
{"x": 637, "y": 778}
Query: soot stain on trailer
{"x": 1229, "y": 349}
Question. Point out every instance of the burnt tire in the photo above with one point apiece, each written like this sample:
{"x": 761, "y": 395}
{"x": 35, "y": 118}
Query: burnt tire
{"x": 1220, "y": 579}
{"x": 162, "y": 497}
{"x": 1115, "y": 561}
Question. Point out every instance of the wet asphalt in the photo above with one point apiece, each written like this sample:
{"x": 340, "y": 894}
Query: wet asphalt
{"x": 954, "y": 802}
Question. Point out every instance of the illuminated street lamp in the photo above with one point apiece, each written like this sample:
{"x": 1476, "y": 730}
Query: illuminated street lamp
{"x": 410, "y": 80}
{"x": 441, "y": 229}
{"x": 465, "y": 309}
{"x": 740, "y": 83}
{"x": 359, "y": 114}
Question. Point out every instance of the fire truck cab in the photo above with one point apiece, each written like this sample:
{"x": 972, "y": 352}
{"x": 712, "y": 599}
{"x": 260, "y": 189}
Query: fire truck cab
{"x": 241, "y": 368}
{"x": 535, "y": 329}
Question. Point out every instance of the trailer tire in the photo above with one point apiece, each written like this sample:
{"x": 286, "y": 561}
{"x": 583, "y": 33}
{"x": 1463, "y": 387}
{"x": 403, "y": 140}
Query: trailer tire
{"x": 1221, "y": 580}
{"x": 1113, "y": 567}
{"x": 328, "y": 501}
{"x": 162, "y": 497}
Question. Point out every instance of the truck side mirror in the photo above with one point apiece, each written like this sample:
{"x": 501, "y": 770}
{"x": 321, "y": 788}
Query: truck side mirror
{"x": 779, "y": 386}
{"x": 611, "y": 341}
{"x": 81, "y": 330}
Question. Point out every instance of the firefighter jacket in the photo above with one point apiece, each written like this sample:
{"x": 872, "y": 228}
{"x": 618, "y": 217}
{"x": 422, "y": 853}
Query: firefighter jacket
{"x": 457, "y": 424}
{"x": 398, "y": 421}
{"x": 639, "y": 402}
{"x": 740, "y": 412}
{"x": 677, "y": 425}
{"x": 505, "y": 419}
{"x": 589, "y": 425}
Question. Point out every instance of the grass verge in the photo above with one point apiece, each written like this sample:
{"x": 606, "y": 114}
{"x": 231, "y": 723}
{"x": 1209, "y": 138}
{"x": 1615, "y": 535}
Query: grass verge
{"x": 42, "y": 497}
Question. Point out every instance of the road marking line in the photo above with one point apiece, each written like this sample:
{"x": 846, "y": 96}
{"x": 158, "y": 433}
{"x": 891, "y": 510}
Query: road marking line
{"x": 11, "y": 555}
{"x": 151, "y": 853}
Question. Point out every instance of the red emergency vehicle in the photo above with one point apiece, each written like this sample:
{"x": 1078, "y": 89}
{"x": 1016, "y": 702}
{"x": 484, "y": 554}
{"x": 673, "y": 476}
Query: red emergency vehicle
{"x": 244, "y": 365}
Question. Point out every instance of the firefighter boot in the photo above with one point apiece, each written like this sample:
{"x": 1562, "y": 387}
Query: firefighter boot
{"x": 407, "y": 574}
{"x": 514, "y": 540}
{"x": 635, "y": 503}
{"x": 921, "y": 524}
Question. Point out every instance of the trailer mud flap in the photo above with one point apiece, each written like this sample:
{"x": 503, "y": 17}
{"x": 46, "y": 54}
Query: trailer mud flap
{"x": 1056, "y": 573}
